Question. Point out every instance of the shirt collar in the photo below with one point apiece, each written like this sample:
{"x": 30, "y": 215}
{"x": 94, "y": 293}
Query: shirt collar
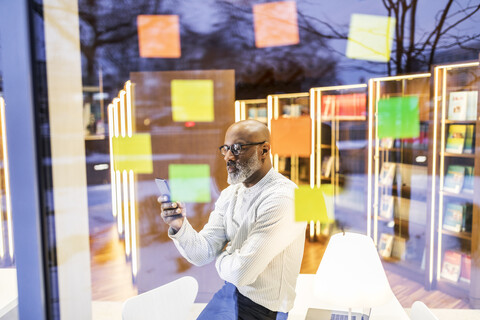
{"x": 260, "y": 184}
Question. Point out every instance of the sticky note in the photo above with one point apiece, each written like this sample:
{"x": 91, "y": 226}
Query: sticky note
{"x": 159, "y": 36}
{"x": 133, "y": 153}
{"x": 190, "y": 182}
{"x": 370, "y": 37}
{"x": 275, "y": 24}
{"x": 192, "y": 100}
{"x": 310, "y": 204}
{"x": 292, "y": 136}
{"x": 398, "y": 117}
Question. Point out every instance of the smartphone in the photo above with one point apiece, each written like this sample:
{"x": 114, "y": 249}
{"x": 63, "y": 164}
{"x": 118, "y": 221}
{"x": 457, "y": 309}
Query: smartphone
{"x": 163, "y": 187}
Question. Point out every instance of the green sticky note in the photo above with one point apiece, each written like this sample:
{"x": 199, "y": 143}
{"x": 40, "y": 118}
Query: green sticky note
{"x": 398, "y": 117}
{"x": 133, "y": 153}
{"x": 190, "y": 182}
{"x": 370, "y": 37}
{"x": 192, "y": 100}
{"x": 310, "y": 205}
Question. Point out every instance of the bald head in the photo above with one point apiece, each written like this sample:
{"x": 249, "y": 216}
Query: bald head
{"x": 250, "y": 130}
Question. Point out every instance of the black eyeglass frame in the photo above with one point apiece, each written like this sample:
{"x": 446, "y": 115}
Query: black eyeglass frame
{"x": 233, "y": 149}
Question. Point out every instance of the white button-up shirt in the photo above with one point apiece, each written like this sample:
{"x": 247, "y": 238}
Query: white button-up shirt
{"x": 263, "y": 244}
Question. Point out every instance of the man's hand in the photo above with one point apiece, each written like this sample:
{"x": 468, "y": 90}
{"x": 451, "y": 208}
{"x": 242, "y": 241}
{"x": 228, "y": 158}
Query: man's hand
{"x": 173, "y": 213}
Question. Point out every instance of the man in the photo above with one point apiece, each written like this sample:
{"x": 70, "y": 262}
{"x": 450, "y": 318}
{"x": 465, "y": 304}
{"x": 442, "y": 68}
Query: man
{"x": 251, "y": 233}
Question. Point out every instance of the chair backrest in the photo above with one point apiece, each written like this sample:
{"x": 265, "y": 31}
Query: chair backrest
{"x": 170, "y": 301}
{"x": 420, "y": 311}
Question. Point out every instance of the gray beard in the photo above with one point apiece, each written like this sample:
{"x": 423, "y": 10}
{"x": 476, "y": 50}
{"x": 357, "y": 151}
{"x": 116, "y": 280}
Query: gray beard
{"x": 244, "y": 170}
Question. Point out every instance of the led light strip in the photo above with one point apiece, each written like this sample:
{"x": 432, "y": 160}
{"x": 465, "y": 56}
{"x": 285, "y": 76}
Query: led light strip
{"x": 111, "y": 120}
{"x": 133, "y": 224}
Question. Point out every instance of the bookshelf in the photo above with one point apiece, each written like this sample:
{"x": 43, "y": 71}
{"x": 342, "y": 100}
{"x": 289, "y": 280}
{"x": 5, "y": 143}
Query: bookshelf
{"x": 397, "y": 173}
{"x": 251, "y": 109}
{"x": 454, "y": 167}
{"x": 291, "y": 121}
{"x": 341, "y": 150}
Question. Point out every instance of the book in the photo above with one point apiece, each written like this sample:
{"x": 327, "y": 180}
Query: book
{"x": 451, "y": 265}
{"x": 387, "y": 174}
{"x": 472, "y": 103}
{"x": 467, "y": 218}
{"x": 456, "y": 138}
{"x": 385, "y": 245}
{"x": 457, "y": 106}
{"x": 327, "y": 163}
{"x": 399, "y": 248}
{"x": 468, "y": 147}
{"x": 454, "y": 178}
{"x": 386, "y": 206}
{"x": 468, "y": 180}
{"x": 453, "y": 218}
{"x": 386, "y": 143}
{"x": 466, "y": 268}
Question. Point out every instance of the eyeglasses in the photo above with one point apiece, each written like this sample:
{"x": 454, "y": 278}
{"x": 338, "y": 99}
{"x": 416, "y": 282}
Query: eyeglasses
{"x": 236, "y": 148}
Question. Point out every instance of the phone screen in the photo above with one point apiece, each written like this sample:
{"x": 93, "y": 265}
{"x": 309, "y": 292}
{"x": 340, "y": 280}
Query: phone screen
{"x": 163, "y": 187}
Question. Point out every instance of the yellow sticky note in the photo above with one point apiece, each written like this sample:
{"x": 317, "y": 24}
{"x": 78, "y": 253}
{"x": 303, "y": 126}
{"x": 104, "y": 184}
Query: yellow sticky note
{"x": 192, "y": 100}
{"x": 310, "y": 205}
{"x": 133, "y": 153}
{"x": 370, "y": 37}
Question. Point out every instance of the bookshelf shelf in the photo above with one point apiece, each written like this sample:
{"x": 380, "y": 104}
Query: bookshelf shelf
{"x": 460, "y": 155}
{"x": 399, "y": 166}
{"x": 460, "y": 121}
{"x": 455, "y": 103}
{"x": 461, "y": 235}
{"x": 463, "y": 195}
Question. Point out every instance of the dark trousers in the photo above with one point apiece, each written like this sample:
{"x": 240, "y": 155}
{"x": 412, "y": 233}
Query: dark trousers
{"x": 229, "y": 304}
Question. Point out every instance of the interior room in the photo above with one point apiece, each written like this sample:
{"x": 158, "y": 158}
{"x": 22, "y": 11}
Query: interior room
{"x": 317, "y": 159}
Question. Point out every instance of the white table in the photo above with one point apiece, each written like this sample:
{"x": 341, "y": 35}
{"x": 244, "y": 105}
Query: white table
{"x": 305, "y": 299}
{"x": 8, "y": 294}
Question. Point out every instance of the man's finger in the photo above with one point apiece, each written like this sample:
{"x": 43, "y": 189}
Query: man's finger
{"x": 169, "y": 205}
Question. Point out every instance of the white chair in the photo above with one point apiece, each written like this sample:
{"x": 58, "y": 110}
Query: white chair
{"x": 170, "y": 301}
{"x": 420, "y": 311}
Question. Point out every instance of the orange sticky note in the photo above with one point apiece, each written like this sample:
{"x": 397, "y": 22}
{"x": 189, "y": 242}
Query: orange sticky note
{"x": 275, "y": 24}
{"x": 292, "y": 136}
{"x": 158, "y": 36}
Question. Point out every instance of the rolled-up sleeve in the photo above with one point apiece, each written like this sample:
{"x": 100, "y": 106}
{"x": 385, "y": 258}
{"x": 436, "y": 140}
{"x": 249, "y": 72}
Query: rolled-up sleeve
{"x": 200, "y": 248}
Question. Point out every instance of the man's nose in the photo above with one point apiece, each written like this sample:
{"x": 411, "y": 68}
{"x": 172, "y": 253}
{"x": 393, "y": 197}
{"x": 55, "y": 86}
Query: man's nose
{"x": 229, "y": 156}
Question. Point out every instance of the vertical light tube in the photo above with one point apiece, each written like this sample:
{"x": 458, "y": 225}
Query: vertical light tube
{"x": 371, "y": 83}
{"x": 133, "y": 224}
{"x": 111, "y": 120}
{"x": 126, "y": 211}
{"x": 123, "y": 125}
{"x": 7, "y": 181}
{"x": 243, "y": 111}
{"x": 434, "y": 173}
{"x": 442, "y": 167}
{"x": 319, "y": 137}
{"x": 312, "y": 151}
{"x": 312, "y": 230}
{"x": 119, "y": 202}
{"x": 377, "y": 166}
{"x": 128, "y": 98}
{"x": 237, "y": 111}
{"x": 2, "y": 244}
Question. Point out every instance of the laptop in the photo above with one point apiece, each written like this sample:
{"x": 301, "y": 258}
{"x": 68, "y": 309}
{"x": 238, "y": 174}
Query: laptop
{"x": 322, "y": 314}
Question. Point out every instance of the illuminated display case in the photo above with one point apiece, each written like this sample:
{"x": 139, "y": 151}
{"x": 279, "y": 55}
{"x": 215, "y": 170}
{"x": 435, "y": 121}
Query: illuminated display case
{"x": 291, "y": 120}
{"x": 251, "y": 109}
{"x": 455, "y": 167}
{"x": 398, "y": 155}
{"x": 341, "y": 151}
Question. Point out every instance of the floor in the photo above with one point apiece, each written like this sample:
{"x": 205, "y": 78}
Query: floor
{"x": 111, "y": 277}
